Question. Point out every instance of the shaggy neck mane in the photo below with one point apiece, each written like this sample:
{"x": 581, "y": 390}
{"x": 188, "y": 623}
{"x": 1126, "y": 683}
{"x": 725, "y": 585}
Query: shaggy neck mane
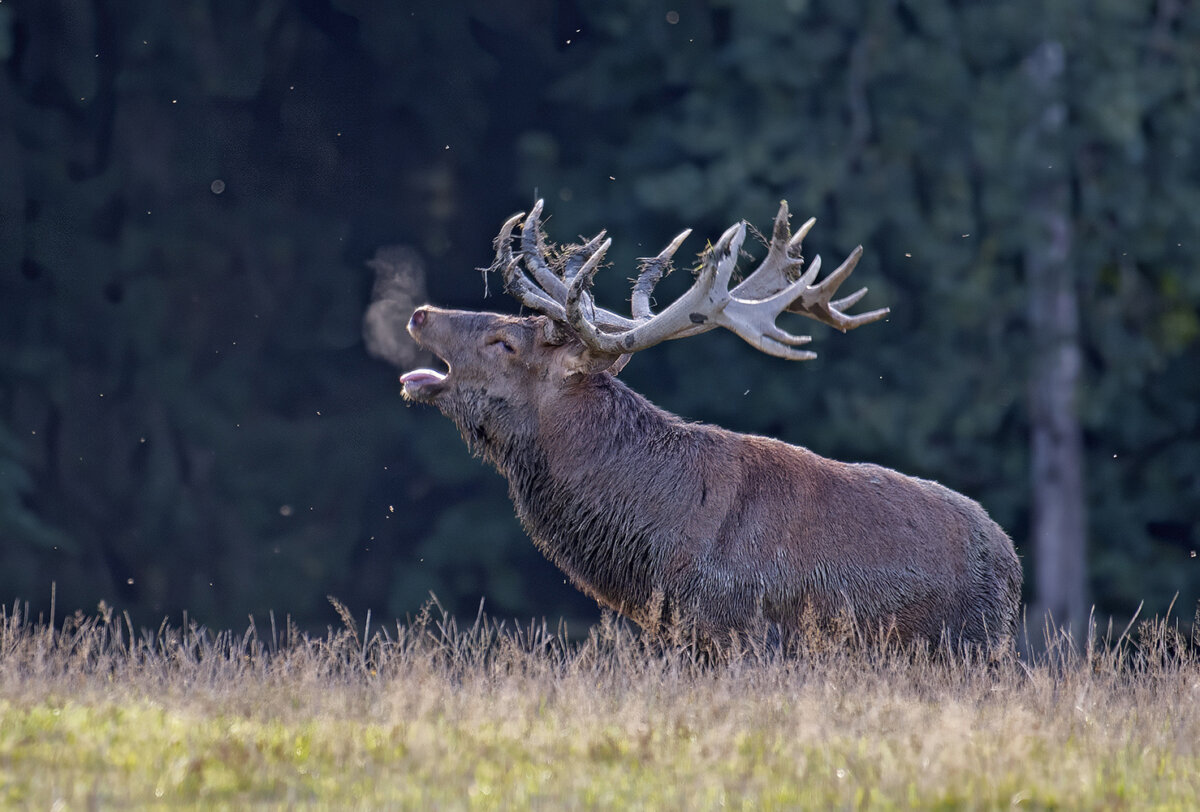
{"x": 586, "y": 481}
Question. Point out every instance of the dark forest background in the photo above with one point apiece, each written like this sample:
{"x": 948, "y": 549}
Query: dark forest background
{"x": 190, "y": 192}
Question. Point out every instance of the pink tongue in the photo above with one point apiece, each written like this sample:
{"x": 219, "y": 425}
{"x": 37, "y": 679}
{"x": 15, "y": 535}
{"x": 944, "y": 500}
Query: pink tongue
{"x": 420, "y": 377}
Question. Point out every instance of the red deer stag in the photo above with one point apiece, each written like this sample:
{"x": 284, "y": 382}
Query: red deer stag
{"x": 656, "y": 517}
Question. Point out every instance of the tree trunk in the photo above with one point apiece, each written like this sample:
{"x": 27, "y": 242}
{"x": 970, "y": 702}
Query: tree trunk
{"x": 1059, "y": 521}
{"x": 1059, "y": 528}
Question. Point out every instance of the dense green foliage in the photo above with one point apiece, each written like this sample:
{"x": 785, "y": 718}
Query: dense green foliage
{"x": 188, "y": 419}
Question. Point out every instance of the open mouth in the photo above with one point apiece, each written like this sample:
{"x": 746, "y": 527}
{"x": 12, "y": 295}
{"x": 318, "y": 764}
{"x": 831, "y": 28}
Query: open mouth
{"x": 423, "y": 384}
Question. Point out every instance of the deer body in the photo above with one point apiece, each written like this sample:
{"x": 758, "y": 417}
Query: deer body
{"x": 657, "y": 518}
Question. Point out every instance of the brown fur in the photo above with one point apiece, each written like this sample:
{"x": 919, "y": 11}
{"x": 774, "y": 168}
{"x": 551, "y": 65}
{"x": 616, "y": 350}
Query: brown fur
{"x": 650, "y": 514}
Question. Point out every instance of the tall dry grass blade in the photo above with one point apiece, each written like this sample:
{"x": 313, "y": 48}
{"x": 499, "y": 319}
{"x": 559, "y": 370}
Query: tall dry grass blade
{"x": 1125, "y": 634}
{"x": 347, "y": 618}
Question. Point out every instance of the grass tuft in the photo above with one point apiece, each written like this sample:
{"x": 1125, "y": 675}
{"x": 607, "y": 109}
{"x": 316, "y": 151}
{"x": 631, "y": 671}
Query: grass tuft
{"x": 490, "y": 715}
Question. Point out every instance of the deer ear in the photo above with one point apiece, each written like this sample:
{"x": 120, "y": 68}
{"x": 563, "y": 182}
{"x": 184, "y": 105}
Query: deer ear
{"x": 554, "y": 333}
{"x": 580, "y": 360}
{"x": 575, "y": 357}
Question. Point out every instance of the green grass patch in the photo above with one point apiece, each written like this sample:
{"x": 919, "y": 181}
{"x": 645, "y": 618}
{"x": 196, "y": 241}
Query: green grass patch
{"x": 426, "y": 714}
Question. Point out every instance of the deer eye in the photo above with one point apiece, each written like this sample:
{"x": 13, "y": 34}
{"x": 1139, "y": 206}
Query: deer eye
{"x": 500, "y": 343}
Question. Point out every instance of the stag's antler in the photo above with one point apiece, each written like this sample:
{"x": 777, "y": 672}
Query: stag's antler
{"x": 562, "y": 290}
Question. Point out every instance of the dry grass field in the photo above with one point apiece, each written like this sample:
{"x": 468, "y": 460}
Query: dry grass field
{"x": 432, "y": 715}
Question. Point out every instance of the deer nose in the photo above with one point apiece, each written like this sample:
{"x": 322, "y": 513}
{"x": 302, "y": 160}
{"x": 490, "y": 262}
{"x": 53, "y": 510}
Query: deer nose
{"x": 418, "y": 318}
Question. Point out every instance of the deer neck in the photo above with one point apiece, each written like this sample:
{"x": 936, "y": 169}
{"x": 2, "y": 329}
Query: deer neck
{"x": 589, "y": 487}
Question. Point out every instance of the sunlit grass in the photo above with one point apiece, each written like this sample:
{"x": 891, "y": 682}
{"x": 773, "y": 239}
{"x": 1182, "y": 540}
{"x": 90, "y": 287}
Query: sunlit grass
{"x": 426, "y": 714}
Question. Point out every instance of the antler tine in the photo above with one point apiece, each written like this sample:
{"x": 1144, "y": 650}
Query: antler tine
{"x": 515, "y": 281}
{"x": 579, "y": 257}
{"x": 653, "y": 270}
{"x": 577, "y": 294}
{"x": 726, "y": 251}
{"x": 846, "y": 322}
{"x": 781, "y": 243}
{"x": 777, "y": 268}
{"x": 574, "y": 265}
{"x": 814, "y": 300}
{"x": 798, "y": 237}
{"x": 503, "y": 241}
{"x": 529, "y": 294}
{"x": 533, "y": 248}
{"x": 848, "y": 301}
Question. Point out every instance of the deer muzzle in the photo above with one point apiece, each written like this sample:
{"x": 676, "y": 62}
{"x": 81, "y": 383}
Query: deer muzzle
{"x": 421, "y": 384}
{"x": 418, "y": 320}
